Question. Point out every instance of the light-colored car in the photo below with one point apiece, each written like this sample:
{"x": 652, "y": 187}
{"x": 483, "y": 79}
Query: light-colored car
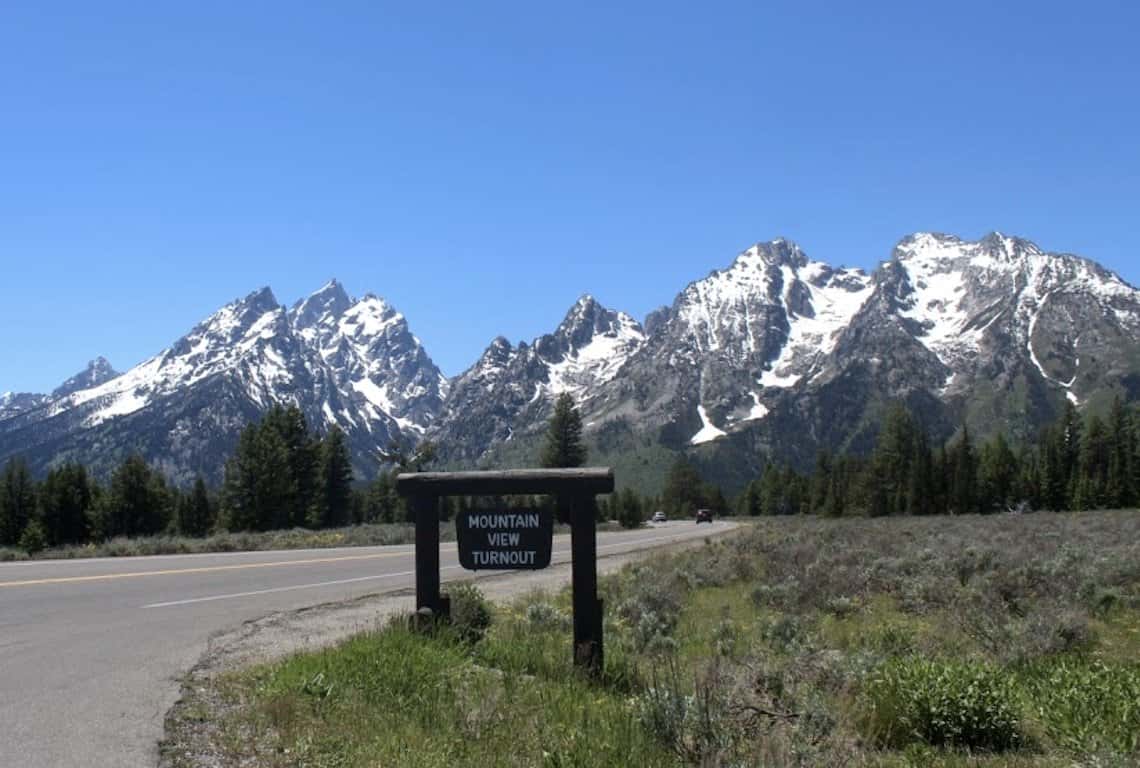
{"x": 658, "y": 516}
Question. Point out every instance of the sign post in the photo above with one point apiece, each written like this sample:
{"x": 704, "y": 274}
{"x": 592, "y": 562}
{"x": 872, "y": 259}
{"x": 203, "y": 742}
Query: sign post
{"x": 514, "y": 539}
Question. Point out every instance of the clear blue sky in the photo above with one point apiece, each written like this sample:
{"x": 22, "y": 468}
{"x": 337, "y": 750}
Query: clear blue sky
{"x": 483, "y": 164}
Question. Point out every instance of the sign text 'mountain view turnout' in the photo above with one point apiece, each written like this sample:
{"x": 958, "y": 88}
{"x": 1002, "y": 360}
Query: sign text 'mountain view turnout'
{"x": 508, "y": 539}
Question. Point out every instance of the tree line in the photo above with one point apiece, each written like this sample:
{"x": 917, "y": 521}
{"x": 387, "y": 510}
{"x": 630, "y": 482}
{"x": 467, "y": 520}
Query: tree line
{"x": 1077, "y": 463}
{"x": 281, "y": 474}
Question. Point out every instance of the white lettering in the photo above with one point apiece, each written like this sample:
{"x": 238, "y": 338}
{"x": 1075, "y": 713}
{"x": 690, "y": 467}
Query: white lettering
{"x": 525, "y": 557}
{"x": 503, "y": 520}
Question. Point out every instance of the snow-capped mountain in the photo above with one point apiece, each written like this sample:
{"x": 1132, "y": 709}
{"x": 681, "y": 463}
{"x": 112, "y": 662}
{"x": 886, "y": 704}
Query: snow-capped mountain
{"x": 996, "y": 333}
{"x": 779, "y": 355}
{"x": 765, "y": 322}
{"x": 513, "y": 388}
{"x": 12, "y": 403}
{"x": 372, "y": 356}
{"x": 331, "y": 356}
{"x": 774, "y": 357}
{"x": 970, "y": 302}
{"x": 96, "y": 372}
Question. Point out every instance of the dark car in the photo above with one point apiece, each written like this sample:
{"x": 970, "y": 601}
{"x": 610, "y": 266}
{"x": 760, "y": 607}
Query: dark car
{"x": 704, "y": 516}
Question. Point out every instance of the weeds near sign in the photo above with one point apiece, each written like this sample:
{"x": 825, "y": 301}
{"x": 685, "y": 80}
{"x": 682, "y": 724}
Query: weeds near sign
{"x": 470, "y": 612}
{"x": 944, "y": 704}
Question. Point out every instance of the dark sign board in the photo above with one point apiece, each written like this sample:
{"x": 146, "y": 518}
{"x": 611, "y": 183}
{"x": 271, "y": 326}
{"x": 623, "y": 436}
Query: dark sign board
{"x": 508, "y": 539}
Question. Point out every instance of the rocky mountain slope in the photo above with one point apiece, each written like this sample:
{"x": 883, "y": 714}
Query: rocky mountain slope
{"x": 97, "y": 372}
{"x": 513, "y": 388}
{"x": 775, "y": 356}
{"x": 353, "y": 363}
{"x": 779, "y": 355}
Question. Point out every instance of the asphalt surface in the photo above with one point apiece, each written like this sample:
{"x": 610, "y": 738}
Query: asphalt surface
{"x": 91, "y": 651}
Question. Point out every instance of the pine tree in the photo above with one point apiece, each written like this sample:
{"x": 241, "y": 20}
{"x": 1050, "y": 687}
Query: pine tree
{"x": 1135, "y": 463}
{"x": 964, "y": 487}
{"x": 997, "y": 475}
{"x": 1071, "y": 437}
{"x": 302, "y": 450}
{"x": 196, "y": 510}
{"x": 1119, "y": 491}
{"x": 276, "y": 484}
{"x": 239, "y": 485}
{"x": 137, "y": 502}
{"x": 563, "y": 447}
{"x": 683, "y": 486}
{"x": 259, "y": 488}
{"x": 772, "y": 498}
{"x": 835, "y": 504}
{"x": 821, "y": 480}
{"x": 64, "y": 501}
{"x": 381, "y": 503}
{"x": 1054, "y": 471}
{"x": 920, "y": 485}
{"x": 751, "y": 503}
{"x": 630, "y": 513}
{"x": 1030, "y": 483}
{"x": 17, "y": 501}
{"x": 1095, "y": 452}
{"x": 892, "y": 458}
{"x": 334, "y": 484}
{"x": 877, "y": 490}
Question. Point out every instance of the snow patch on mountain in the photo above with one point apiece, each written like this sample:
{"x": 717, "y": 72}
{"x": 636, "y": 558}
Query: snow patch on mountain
{"x": 717, "y": 311}
{"x": 758, "y": 411}
{"x": 1029, "y": 338}
{"x": 833, "y": 298}
{"x": 598, "y": 360}
{"x": 708, "y": 431}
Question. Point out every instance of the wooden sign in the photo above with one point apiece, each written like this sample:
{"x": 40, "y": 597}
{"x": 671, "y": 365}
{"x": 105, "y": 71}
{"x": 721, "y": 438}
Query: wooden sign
{"x": 509, "y": 539}
{"x": 514, "y": 543}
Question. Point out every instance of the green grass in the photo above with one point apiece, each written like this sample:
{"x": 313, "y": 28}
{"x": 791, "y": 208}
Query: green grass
{"x": 397, "y": 698}
{"x": 992, "y": 642}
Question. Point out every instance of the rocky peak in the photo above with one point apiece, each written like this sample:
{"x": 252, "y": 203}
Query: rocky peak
{"x": 584, "y": 322}
{"x": 97, "y": 372}
{"x": 774, "y": 253}
{"x": 236, "y": 320}
{"x": 329, "y": 302}
{"x": 371, "y": 316}
{"x": 497, "y": 354}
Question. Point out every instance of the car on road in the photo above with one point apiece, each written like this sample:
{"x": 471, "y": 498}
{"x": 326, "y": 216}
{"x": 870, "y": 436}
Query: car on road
{"x": 659, "y": 516}
{"x": 704, "y": 516}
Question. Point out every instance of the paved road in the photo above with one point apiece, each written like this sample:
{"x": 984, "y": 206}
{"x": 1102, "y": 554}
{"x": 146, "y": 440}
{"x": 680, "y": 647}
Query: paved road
{"x": 91, "y": 650}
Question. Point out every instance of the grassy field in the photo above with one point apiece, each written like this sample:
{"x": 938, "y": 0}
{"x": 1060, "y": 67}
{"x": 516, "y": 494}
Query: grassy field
{"x": 968, "y": 641}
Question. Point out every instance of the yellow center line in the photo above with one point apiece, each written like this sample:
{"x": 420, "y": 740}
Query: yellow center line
{"x": 204, "y": 569}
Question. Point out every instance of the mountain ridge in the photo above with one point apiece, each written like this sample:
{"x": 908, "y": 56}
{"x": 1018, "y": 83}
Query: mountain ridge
{"x": 775, "y": 345}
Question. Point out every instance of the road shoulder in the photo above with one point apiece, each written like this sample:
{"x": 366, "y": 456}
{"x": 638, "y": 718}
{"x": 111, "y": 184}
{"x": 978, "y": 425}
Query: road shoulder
{"x": 191, "y": 724}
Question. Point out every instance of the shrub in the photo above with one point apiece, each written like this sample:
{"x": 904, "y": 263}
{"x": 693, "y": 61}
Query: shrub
{"x": 943, "y": 704}
{"x": 651, "y": 607}
{"x": 470, "y": 612}
{"x": 33, "y": 539}
{"x": 545, "y": 615}
{"x": 1086, "y": 705}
